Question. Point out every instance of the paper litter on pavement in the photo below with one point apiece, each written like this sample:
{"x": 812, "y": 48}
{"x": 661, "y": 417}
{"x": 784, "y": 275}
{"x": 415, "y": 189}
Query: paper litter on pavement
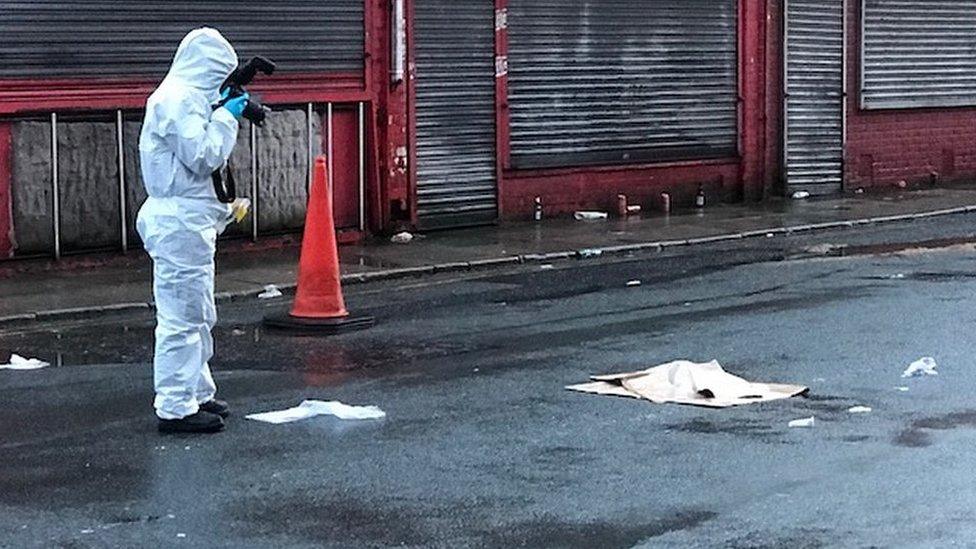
{"x": 18, "y": 362}
{"x": 921, "y": 367}
{"x": 312, "y": 408}
{"x": 685, "y": 382}
{"x": 590, "y": 216}
{"x": 859, "y": 410}
{"x": 802, "y": 423}
{"x": 270, "y": 292}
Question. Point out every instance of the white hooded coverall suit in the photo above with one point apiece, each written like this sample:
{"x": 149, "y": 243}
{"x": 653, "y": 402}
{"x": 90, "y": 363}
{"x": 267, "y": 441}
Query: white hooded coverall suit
{"x": 183, "y": 141}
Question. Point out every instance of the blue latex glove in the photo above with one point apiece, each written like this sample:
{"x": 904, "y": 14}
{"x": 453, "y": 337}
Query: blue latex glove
{"x": 237, "y": 104}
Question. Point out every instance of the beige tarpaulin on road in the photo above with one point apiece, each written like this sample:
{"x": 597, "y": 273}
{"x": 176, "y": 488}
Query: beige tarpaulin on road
{"x": 684, "y": 382}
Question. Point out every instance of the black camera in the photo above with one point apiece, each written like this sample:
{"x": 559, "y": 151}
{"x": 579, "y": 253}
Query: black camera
{"x": 234, "y": 86}
{"x": 254, "y": 111}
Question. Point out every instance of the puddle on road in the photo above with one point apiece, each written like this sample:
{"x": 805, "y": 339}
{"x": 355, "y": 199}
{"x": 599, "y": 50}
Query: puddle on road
{"x": 967, "y": 243}
{"x": 320, "y": 362}
{"x": 919, "y": 433}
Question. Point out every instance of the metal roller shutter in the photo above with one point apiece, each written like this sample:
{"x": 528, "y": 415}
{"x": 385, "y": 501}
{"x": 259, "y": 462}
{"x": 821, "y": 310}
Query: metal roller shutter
{"x": 918, "y": 53}
{"x": 814, "y": 95}
{"x": 454, "y": 49}
{"x": 48, "y": 38}
{"x": 608, "y": 81}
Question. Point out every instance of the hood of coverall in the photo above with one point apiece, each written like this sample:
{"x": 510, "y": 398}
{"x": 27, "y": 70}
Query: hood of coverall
{"x": 203, "y": 61}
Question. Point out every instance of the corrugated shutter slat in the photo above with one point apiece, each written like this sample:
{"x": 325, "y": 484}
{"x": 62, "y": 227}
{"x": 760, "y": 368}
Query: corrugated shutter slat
{"x": 814, "y": 103}
{"x": 50, "y": 39}
{"x": 606, "y": 81}
{"x": 455, "y": 112}
{"x": 919, "y": 53}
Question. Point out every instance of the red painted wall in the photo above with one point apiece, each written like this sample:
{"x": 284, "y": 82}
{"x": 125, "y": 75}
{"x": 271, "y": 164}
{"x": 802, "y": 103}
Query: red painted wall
{"x": 773, "y": 177}
{"x": 389, "y": 185}
{"x": 912, "y": 145}
{"x": 6, "y": 218}
{"x": 345, "y": 167}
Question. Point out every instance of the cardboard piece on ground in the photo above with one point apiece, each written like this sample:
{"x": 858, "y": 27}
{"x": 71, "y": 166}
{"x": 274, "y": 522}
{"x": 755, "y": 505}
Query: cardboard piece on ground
{"x": 685, "y": 382}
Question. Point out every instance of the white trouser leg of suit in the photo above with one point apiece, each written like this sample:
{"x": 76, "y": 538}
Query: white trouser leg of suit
{"x": 183, "y": 288}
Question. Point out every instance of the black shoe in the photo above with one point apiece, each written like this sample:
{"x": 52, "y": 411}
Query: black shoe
{"x": 215, "y": 406}
{"x": 200, "y": 422}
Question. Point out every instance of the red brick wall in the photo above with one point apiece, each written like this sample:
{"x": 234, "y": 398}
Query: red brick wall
{"x": 885, "y": 147}
{"x": 565, "y": 191}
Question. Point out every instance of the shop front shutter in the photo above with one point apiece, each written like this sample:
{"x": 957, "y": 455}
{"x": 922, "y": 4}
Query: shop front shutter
{"x": 74, "y": 38}
{"x": 611, "y": 81}
{"x": 454, "y": 47}
{"x": 918, "y": 53}
{"x": 814, "y": 96}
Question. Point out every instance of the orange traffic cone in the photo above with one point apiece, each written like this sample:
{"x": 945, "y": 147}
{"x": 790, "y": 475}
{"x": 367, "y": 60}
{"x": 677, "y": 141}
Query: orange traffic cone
{"x": 319, "y": 307}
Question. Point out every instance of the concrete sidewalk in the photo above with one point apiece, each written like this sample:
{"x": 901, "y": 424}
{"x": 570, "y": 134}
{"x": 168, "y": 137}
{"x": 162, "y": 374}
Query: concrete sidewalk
{"x": 41, "y": 291}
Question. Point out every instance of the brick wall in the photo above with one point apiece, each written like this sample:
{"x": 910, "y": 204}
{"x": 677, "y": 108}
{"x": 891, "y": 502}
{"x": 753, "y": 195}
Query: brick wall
{"x": 885, "y": 147}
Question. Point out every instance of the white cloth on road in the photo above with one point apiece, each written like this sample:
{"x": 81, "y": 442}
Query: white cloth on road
{"x": 183, "y": 142}
{"x": 312, "y": 408}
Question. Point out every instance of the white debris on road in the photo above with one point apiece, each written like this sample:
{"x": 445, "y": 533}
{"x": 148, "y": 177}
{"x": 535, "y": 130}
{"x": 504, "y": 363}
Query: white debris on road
{"x": 800, "y": 195}
{"x": 802, "y": 423}
{"x": 312, "y": 408}
{"x": 18, "y": 362}
{"x": 921, "y": 367}
{"x": 589, "y": 252}
{"x": 902, "y": 389}
{"x": 402, "y": 238}
{"x": 633, "y": 283}
{"x": 590, "y": 216}
{"x": 859, "y": 410}
{"x": 270, "y": 292}
{"x": 822, "y": 249}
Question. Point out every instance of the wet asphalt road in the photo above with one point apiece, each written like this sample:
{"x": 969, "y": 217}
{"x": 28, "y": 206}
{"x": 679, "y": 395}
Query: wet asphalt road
{"x": 482, "y": 447}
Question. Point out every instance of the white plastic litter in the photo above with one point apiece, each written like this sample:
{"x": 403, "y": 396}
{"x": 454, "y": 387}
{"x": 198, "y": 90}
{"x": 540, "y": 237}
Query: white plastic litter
{"x": 18, "y": 362}
{"x": 402, "y": 238}
{"x": 902, "y": 389}
{"x": 547, "y": 267}
{"x": 589, "y": 252}
{"x": 859, "y": 410}
{"x": 633, "y": 283}
{"x": 805, "y": 422}
{"x": 800, "y": 195}
{"x": 590, "y": 216}
{"x": 270, "y": 292}
{"x": 822, "y": 249}
{"x": 921, "y": 367}
{"x": 312, "y": 408}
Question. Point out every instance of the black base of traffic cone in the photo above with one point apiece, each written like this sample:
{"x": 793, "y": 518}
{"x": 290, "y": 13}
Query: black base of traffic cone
{"x": 318, "y": 326}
